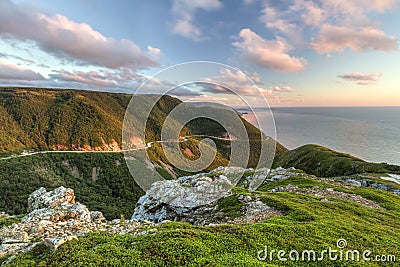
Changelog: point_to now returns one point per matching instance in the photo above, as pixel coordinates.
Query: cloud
(361, 78)
(154, 51)
(276, 20)
(11, 73)
(313, 15)
(65, 38)
(249, 2)
(336, 38)
(185, 10)
(283, 89)
(123, 78)
(268, 54)
(331, 25)
(230, 81)
(23, 60)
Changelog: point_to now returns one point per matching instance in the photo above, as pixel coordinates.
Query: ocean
(370, 133)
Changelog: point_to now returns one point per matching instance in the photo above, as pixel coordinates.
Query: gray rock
(96, 216)
(63, 212)
(43, 199)
(173, 199)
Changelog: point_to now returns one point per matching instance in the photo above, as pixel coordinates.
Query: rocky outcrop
(55, 206)
(43, 199)
(195, 198)
(55, 218)
(365, 180)
(176, 199)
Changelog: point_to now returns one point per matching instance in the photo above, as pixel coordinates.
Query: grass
(307, 224)
(11, 220)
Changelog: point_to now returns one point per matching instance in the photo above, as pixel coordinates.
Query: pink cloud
(334, 38)
(63, 37)
(268, 54)
(10, 72)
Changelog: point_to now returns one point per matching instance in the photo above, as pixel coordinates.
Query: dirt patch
(189, 152)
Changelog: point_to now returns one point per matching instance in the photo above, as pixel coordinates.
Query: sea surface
(370, 133)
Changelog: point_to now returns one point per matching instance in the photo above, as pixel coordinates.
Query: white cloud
(65, 38)
(186, 29)
(273, 19)
(154, 51)
(185, 11)
(268, 54)
(336, 38)
(361, 78)
(11, 73)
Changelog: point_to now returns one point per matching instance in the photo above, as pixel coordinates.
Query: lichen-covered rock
(195, 198)
(63, 212)
(173, 199)
(58, 220)
(43, 199)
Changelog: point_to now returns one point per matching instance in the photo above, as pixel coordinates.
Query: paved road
(148, 145)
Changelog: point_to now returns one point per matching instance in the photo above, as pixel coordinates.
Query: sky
(292, 53)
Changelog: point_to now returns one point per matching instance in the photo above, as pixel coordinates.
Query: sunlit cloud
(361, 78)
(336, 38)
(268, 54)
(68, 39)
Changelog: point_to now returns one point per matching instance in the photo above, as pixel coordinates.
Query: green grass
(308, 224)
(10, 220)
(324, 162)
(230, 206)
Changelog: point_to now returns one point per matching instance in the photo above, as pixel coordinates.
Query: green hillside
(56, 119)
(321, 161)
(98, 180)
(51, 119)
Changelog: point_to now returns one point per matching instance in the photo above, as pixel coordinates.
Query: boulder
(43, 199)
(56, 206)
(173, 199)
(60, 213)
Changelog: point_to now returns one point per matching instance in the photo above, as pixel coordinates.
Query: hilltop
(322, 161)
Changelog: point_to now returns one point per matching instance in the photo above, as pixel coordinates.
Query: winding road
(148, 145)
